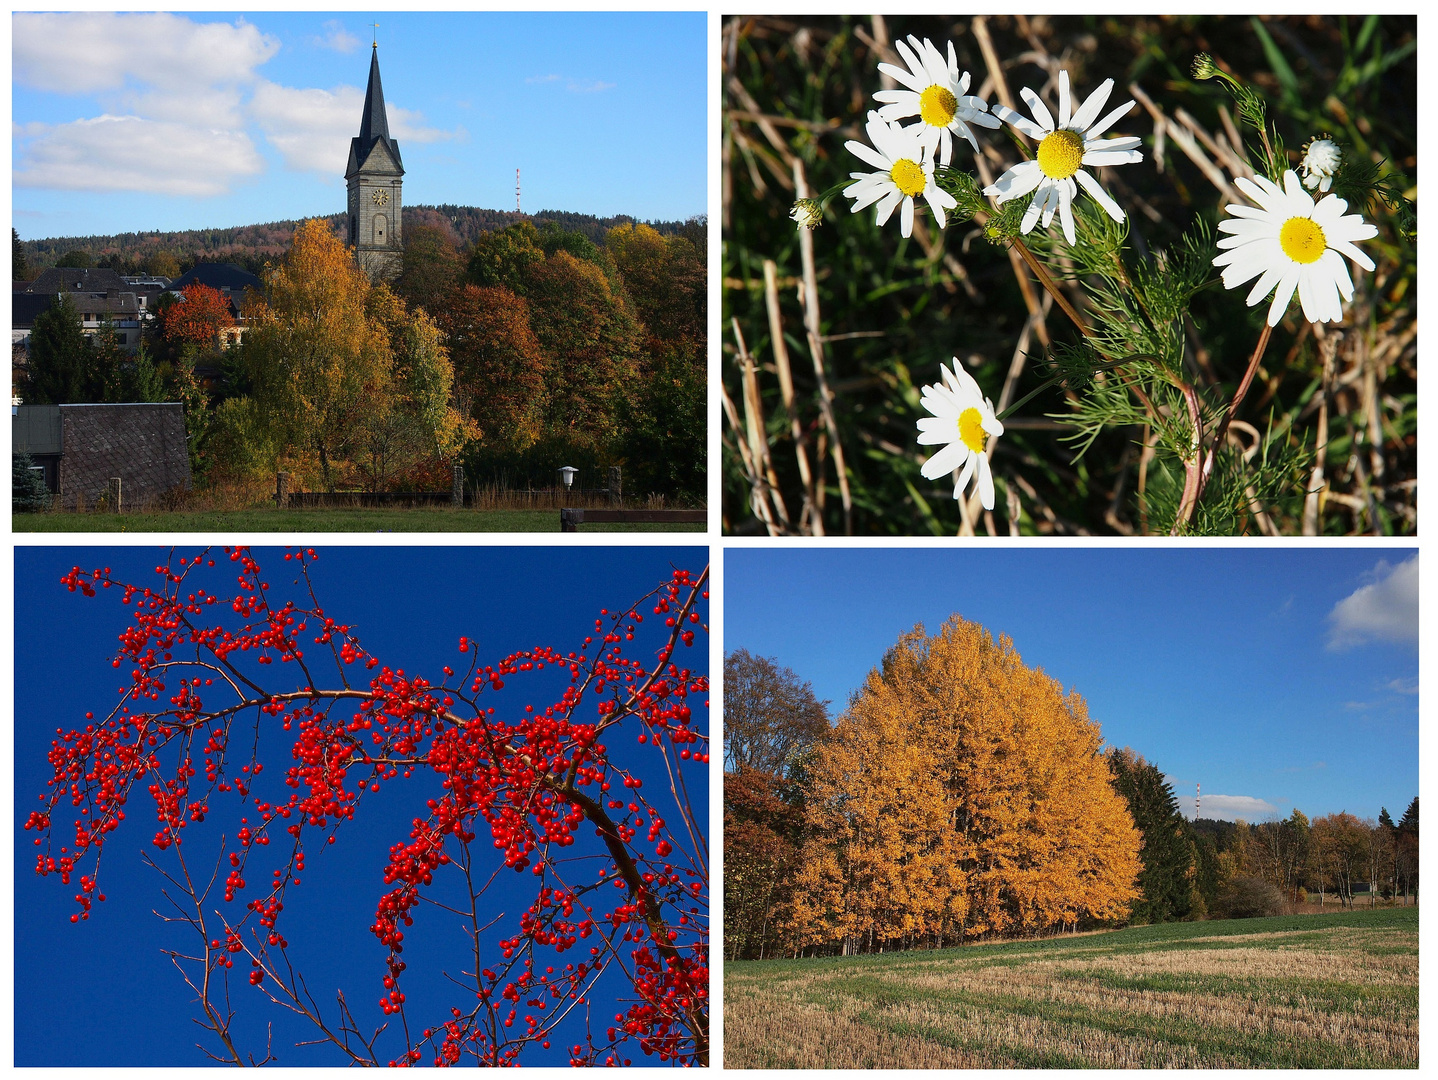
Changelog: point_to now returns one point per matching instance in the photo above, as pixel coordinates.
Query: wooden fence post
(282, 491)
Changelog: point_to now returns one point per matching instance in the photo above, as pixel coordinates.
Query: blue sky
(154, 121)
(409, 606)
(1275, 678)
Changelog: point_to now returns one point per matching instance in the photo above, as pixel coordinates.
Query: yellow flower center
(1061, 154)
(971, 430)
(1302, 240)
(908, 177)
(937, 106)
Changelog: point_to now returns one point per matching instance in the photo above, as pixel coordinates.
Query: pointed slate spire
(375, 122)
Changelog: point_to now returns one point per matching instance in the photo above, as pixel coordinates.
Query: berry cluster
(536, 781)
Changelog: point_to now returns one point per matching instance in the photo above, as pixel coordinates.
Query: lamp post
(567, 473)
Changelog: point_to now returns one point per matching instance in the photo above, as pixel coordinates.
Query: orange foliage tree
(498, 365)
(198, 319)
(961, 794)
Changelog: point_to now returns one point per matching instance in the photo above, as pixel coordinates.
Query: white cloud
(130, 153)
(181, 105)
(336, 37)
(544, 78)
(87, 52)
(1386, 609)
(1407, 685)
(312, 128)
(1229, 807)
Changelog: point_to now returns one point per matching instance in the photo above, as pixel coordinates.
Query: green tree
(506, 257)
(663, 426)
(62, 364)
(28, 492)
(1167, 881)
(19, 266)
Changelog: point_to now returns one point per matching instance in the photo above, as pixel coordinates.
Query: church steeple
(374, 122)
(374, 175)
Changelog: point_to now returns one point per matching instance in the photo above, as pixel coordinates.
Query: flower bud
(807, 214)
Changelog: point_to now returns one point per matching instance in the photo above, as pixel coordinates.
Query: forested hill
(251, 246)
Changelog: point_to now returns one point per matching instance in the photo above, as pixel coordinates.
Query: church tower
(375, 176)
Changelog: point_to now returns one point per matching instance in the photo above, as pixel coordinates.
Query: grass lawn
(355, 520)
(1308, 991)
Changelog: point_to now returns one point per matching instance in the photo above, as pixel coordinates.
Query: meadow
(335, 519)
(1329, 991)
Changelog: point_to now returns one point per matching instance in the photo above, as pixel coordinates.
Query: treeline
(253, 247)
(962, 795)
(528, 350)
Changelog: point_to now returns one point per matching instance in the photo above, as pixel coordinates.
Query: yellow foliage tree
(960, 794)
(315, 357)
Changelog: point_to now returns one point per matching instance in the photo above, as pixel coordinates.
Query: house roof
(218, 276)
(73, 279)
(25, 308)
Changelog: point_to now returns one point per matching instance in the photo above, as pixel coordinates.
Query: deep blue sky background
(1215, 664)
(100, 993)
(603, 112)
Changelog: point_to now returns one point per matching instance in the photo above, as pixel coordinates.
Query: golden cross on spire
(376, 34)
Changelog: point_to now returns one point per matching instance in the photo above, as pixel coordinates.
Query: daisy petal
(1039, 109)
(1089, 110)
(1100, 196)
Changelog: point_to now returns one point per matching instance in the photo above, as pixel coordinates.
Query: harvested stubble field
(1331, 991)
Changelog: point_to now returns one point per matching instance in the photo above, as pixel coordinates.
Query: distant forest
(252, 246)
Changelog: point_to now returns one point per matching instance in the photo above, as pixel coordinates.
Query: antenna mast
(1197, 799)
(516, 192)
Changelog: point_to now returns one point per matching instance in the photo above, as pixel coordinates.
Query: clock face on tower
(380, 197)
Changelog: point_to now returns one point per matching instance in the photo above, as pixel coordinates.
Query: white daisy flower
(1065, 147)
(1321, 159)
(905, 171)
(963, 419)
(1289, 243)
(937, 94)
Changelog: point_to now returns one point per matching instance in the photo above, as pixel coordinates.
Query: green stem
(1107, 365)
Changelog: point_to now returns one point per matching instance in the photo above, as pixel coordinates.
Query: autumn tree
(499, 368)
(196, 319)
(590, 342)
(666, 278)
(429, 268)
(770, 715)
(1167, 881)
(960, 794)
(1340, 853)
(408, 417)
(313, 355)
(763, 829)
(771, 720)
